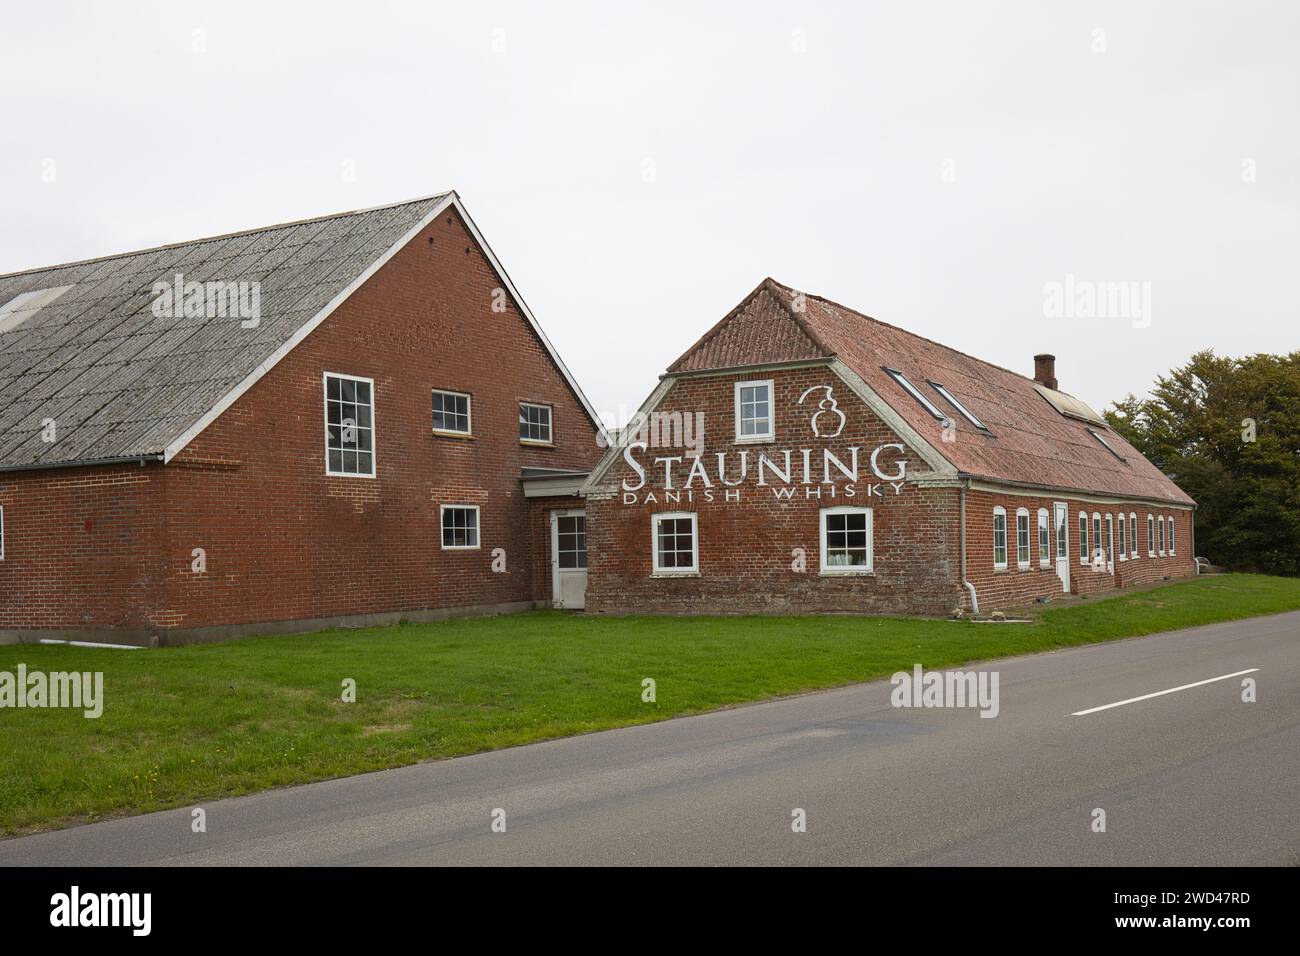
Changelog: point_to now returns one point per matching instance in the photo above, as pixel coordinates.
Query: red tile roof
(1028, 443)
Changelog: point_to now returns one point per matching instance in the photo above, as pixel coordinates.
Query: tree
(1228, 431)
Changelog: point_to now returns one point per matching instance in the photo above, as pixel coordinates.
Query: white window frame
(1151, 535)
(550, 424)
(469, 413)
(374, 425)
(1160, 541)
(1023, 563)
(850, 569)
(1096, 535)
(906, 385)
(1169, 529)
(1085, 553)
(1108, 548)
(1046, 539)
(658, 570)
(1133, 534)
(478, 528)
(770, 434)
(1000, 512)
(2, 532)
(1123, 537)
(966, 413)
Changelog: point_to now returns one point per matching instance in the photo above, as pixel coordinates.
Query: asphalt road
(1196, 776)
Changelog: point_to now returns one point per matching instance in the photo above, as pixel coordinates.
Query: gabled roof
(1028, 442)
(121, 383)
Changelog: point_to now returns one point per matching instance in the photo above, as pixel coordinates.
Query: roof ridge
(909, 332)
(771, 286)
(227, 235)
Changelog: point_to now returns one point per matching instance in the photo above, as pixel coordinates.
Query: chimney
(1045, 370)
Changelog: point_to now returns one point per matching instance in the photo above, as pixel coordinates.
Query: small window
(25, 305)
(675, 543)
(451, 413)
(1170, 525)
(1063, 535)
(1151, 536)
(846, 540)
(349, 426)
(459, 527)
(1110, 540)
(535, 423)
(1123, 543)
(999, 537)
(1097, 554)
(1083, 538)
(2, 533)
(1022, 537)
(1044, 538)
(754, 411)
(1133, 534)
(965, 412)
(571, 541)
(1105, 444)
(915, 392)
(1161, 539)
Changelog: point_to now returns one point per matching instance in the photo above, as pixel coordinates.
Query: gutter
(86, 463)
(974, 598)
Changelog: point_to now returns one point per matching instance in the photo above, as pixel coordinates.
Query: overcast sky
(640, 167)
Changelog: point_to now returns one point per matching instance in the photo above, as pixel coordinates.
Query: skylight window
(1069, 406)
(26, 304)
(915, 392)
(952, 400)
(1105, 444)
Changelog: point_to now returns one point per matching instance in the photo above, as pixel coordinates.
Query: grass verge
(198, 723)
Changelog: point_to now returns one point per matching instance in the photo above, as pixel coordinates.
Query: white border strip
(1161, 693)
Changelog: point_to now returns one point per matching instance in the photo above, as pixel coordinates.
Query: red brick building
(371, 427)
(804, 457)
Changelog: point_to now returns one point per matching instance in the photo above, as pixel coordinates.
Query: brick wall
(282, 540)
(747, 548)
(1017, 586)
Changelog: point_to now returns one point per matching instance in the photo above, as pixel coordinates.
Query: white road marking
(1161, 693)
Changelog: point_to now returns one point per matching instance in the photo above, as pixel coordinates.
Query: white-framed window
(459, 527)
(1063, 536)
(349, 425)
(915, 392)
(1097, 547)
(966, 413)
(846, 540)
(1151, 536)
(675, 543)
(451, 412)
(1109, 543)
(1083, 538)
(571, 541)
(2, 532)
(999, 537)
(754, 420)
(1123, 540)
(1133, 534)
(1169, 523)
(1161, 539)
(1044, 538)
(1022, 537)
(535, 423)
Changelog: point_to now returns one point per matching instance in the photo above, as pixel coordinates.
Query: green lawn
(194, 723)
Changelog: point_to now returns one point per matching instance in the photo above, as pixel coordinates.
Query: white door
(569, 559)
(1062, 524)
